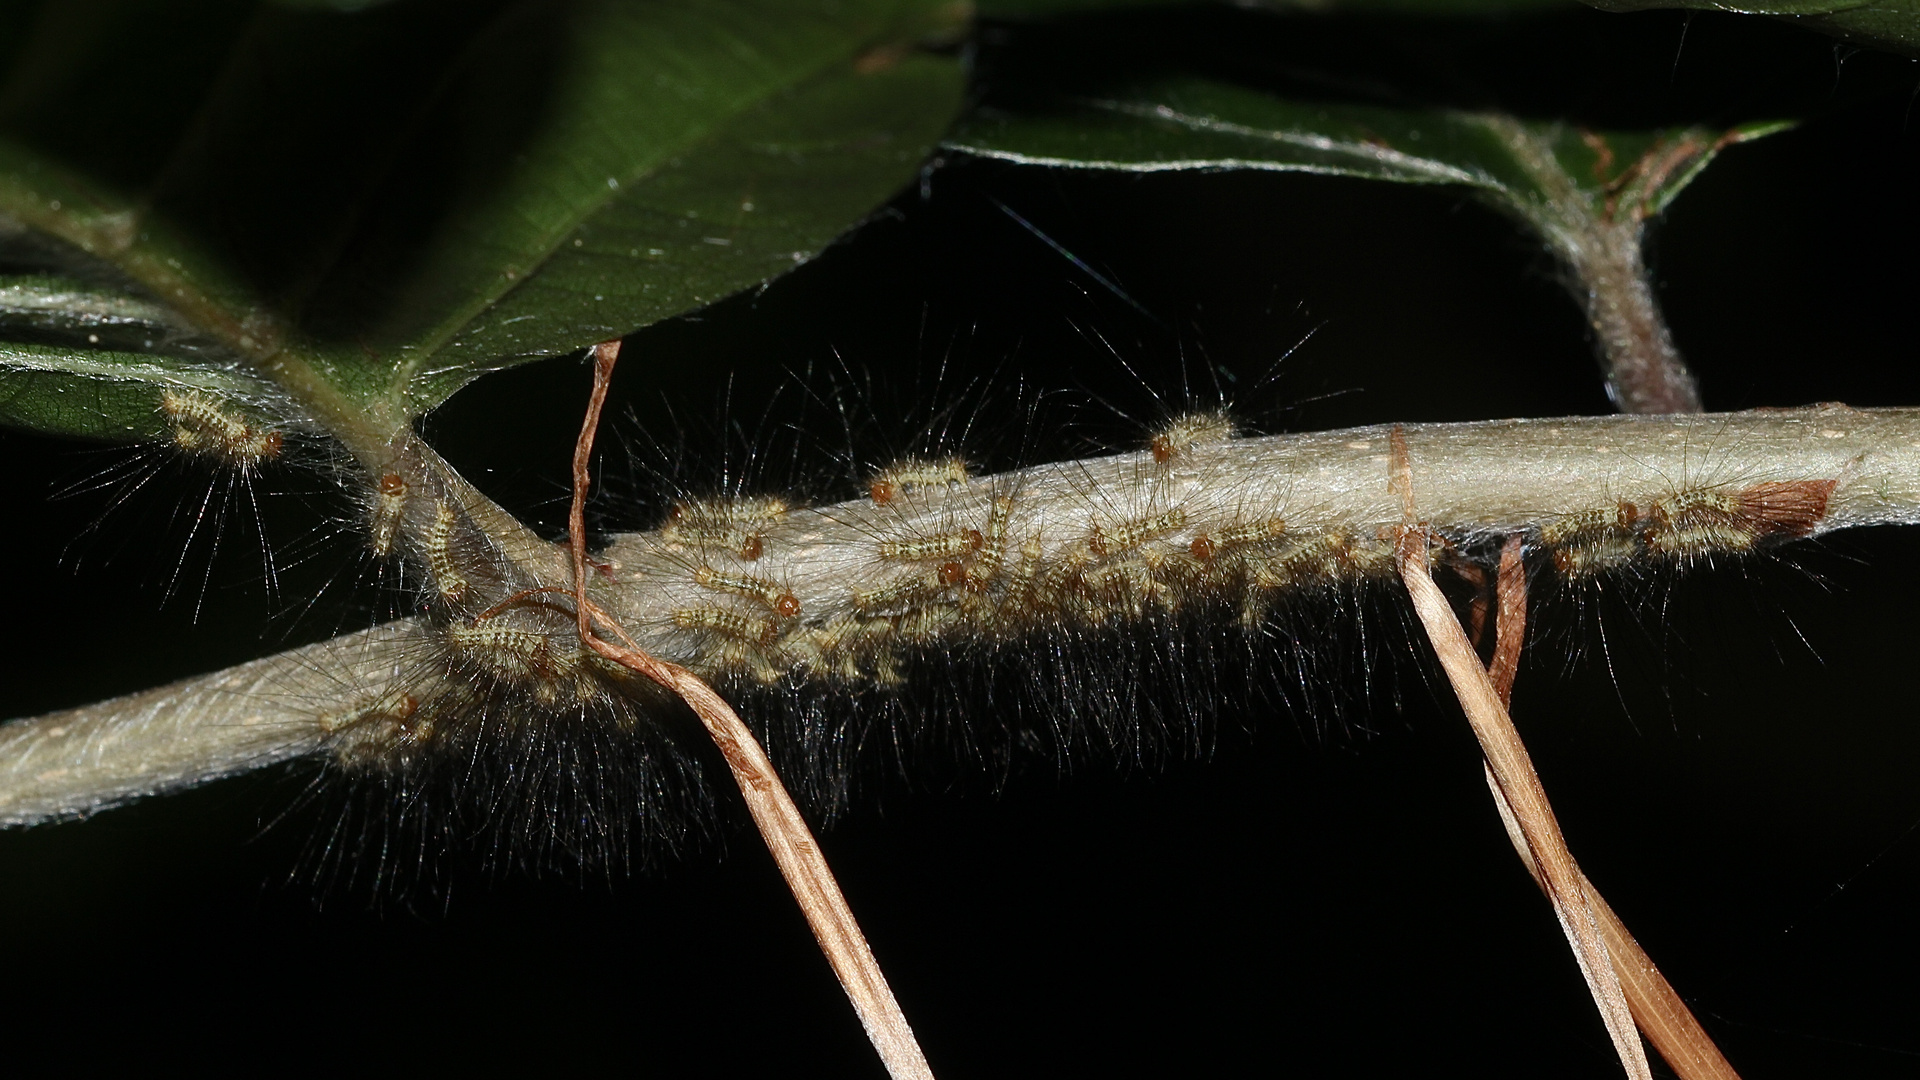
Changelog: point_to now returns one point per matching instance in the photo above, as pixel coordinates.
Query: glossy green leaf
(1047, 9)
(369, 209)
(106, 394)
(1198, 124)
(1893, 25)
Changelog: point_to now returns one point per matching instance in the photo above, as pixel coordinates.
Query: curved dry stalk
(1662, 1017)
(779, 820)
(1512, 768)
(1656, 1006)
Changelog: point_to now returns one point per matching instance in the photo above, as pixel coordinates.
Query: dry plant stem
(1513, 768)
(781, 825)
(1662, 1017)
(605, 355)
(1510, 618)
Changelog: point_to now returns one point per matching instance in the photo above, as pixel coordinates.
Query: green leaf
(1198, 124)
(1047, 9)
(370, 209)
(104, 394)
(1893, 25)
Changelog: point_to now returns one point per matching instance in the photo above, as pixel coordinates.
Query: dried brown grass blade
(773, 810)
(1663, 1018)
(1512, 768)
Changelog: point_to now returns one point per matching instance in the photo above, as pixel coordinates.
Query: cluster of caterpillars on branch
(485, 675)
(995, 580)
(1687, 526)
(946, 558)
(985, 578)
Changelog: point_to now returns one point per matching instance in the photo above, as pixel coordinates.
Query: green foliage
(1198, 124)
(370, 209)
(1893, 25)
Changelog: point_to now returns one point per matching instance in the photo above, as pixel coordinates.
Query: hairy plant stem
(1600, 245)
(1483, 480)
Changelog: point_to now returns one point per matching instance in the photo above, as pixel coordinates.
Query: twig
(773, 810)
(1512, 768)
(1663, 1018)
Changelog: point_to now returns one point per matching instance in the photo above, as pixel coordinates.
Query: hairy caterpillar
(1184, 432)
(205, 426)
(916, 474)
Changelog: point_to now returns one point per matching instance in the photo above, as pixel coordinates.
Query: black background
(1733, 754)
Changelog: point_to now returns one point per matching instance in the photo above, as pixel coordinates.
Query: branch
(72, 763)
(1311, 510)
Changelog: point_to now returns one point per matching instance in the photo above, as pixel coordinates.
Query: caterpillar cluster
(1688, 526)
(1199, 539)
(786, 595)
(770, 591)
(207, 427)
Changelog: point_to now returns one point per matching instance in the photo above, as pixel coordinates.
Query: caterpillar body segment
(374, 732)
(1593, 541)
(1699, 523)
(727, 623)
(1108, 540)
(1246, 534)
(1205, 546)
(903, 592)
(951, 545)
(993, 546)
(514, 652)
(1692, 524)
(394, 707)
(736, 526)
(389, 505)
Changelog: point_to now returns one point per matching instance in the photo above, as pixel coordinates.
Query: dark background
(1733, 754)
